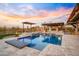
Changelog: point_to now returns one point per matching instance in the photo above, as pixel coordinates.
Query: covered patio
(74, 18)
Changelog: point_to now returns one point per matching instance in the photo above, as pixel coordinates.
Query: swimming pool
(40, 41)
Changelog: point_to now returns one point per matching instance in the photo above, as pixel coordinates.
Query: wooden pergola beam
(53, 24)
(28, 23)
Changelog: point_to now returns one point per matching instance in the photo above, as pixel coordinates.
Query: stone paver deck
(9, 50)
(69, 47)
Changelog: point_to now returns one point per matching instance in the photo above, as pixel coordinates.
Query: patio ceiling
(74, 17)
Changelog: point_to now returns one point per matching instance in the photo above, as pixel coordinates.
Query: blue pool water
(41, 41)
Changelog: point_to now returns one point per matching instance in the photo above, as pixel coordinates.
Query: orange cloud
(10, 17)
(41, 14)
(61, 11)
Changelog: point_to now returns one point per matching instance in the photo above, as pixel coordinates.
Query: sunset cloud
(37, 13)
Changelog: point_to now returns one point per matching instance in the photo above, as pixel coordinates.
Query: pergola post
(56, 28)
(31, 26)
(23, 27)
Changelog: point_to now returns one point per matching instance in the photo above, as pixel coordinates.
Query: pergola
(29, 23)
(54, 25)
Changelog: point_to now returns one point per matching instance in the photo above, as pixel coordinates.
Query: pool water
(41, 41)
(53, 40)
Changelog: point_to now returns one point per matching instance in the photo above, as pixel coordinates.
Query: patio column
(76, 29)
(50, 29)
(62, 27)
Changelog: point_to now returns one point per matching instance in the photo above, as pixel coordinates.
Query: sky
(14, 13)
